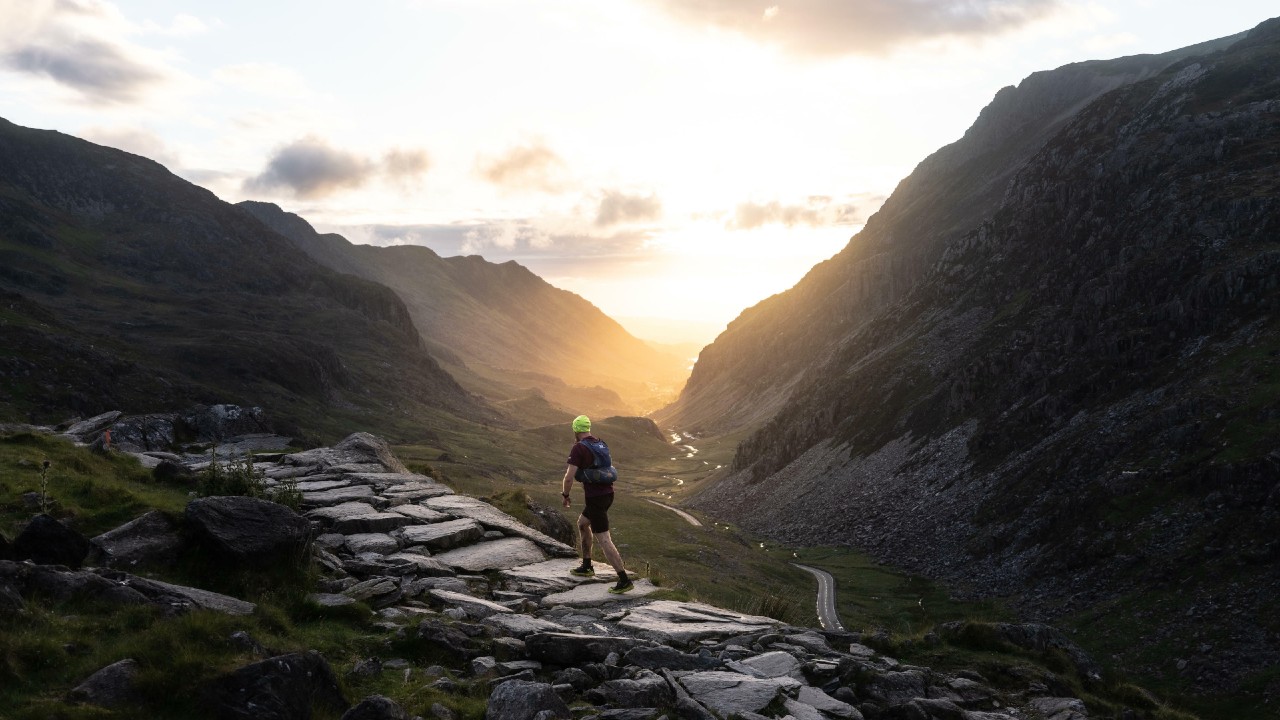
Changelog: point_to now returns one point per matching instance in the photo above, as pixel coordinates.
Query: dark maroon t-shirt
(581, 457)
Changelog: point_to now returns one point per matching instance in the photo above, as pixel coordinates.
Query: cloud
(617, 207)
(312, 168)
(815, 211)
(80, 44)
(267, 79)
(525, 167)
(861, 27)
(405, 163)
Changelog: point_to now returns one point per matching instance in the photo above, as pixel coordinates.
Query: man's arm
(567, 484)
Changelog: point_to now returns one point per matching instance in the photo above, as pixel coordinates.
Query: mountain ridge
(499, 317)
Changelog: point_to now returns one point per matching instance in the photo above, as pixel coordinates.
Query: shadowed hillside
(1064, 390)
(123, 286)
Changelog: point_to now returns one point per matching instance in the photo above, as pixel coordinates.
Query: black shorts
(597, 511)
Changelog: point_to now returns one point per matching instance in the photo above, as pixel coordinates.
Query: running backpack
(602, 471)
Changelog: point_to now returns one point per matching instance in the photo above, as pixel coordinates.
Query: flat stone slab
(819, 700)
(337, 496)
(669, 621)
(419, 513)
(331, 600)
(375, 523)
(386, 481)
(310, 486)
(493, 518)
(552, 576)
(492, 555)
(423, 564)
(520, 625)
(341, 511)
(444, 535)
(203, 599)
(772, 664)
(592, 594)
(730, 693)
(475, 607)
(380, 543)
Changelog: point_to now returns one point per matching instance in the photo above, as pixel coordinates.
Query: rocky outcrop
(112, 686)
(45, 540)
(112, 587)
(247, 529)
(286, 687)
(151, 539)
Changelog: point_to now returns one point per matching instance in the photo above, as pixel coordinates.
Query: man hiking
(594, 521)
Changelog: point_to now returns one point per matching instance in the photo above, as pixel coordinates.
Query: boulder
(523, 700)
(248, 529)
(87, 431)
(771, 665)
(376, 707)
(110, 687)
(46, 541)
(669, 621)
(895, 687)
(141, 433)
(566, 649)
(214, 423)
(493, 555)
(445, 535)
(151, 539)
(286, 687)
(179, 598)
(829, 706)
(422, 564)
(356, 448)
(730, 693)
(10, 600)
(647, 689)
(662, 656)
(445, 637)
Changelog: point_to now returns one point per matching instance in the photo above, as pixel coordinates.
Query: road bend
(827, 615)
(691, 519)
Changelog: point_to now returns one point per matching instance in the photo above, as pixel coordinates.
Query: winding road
(692, 520)
(827, 614)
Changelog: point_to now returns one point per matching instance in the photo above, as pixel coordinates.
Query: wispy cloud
(815, 211)
(618, 207)
(863, 27)
(524, 167)
(82, 45)
(312, 168)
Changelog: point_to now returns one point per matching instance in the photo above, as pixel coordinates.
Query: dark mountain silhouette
(501, 329)
(124, 286)
(1049, 368)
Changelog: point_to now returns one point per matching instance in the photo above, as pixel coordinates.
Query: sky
(672, 161)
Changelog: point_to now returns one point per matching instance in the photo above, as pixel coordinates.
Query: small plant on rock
(240, 477)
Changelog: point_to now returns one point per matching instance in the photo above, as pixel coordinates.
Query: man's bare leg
(610, 551)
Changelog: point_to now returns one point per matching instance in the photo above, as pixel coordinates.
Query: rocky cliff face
(742, 378)
(1075, 401)
(500, 319)
(125, 286)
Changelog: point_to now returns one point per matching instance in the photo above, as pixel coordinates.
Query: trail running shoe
(583, 570)
(622, 586)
